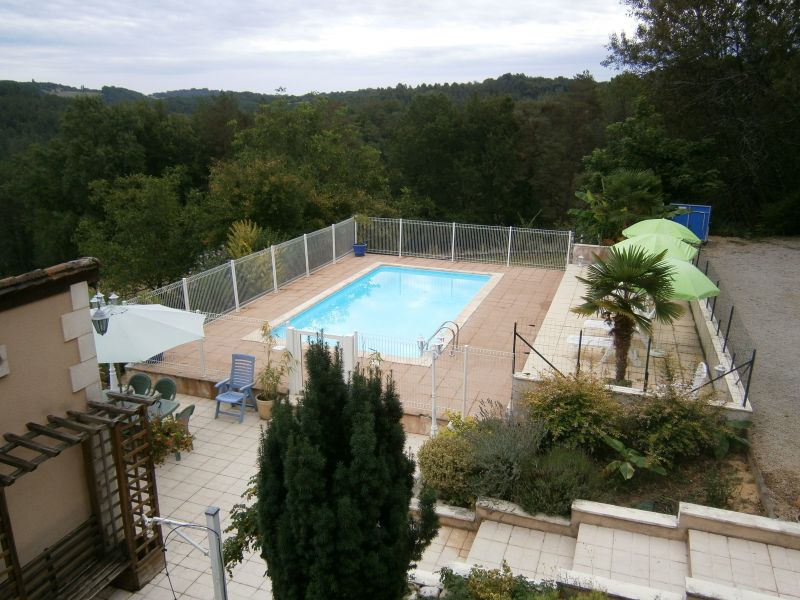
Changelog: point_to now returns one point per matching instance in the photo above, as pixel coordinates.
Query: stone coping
(492, 509)
(735, 524)
(451, 516)
(626, 519)
(701, 589)
(612, 587)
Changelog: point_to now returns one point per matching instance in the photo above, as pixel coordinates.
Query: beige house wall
(52, 368)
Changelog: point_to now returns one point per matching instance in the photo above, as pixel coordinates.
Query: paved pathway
(763, 278)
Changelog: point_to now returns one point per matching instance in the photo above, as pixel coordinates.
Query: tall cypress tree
(334, 489)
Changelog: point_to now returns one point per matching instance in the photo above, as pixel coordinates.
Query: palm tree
(621, 288)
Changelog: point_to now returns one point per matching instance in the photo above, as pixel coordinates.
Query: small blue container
(359, 249)
(697, 219)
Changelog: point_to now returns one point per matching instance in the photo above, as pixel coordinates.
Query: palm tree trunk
(623, 334)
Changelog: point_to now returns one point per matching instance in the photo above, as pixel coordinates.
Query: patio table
(157, 407)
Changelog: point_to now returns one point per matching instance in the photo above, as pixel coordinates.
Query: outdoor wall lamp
(100, 320)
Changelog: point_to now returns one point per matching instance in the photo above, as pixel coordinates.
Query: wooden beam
(112, 408)
(55, 434)
(30, 444)
(91, 418)
(19, 463)
(74, 425)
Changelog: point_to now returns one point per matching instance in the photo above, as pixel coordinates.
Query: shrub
(577, 411)
(502, 446)
(557, 479)
(718, 488)
(494, 584)
(502, 584)
(670, 427)
(447, 464)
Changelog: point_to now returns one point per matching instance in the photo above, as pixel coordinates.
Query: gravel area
(763, 278)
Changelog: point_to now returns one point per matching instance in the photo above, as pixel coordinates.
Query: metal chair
(139, 384)
(238, 388)
(166, 387)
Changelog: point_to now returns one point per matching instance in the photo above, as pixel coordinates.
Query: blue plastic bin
(698, 219)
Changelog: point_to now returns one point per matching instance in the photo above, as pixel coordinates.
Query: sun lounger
(607, 343)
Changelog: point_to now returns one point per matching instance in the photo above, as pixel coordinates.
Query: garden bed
(692, 483)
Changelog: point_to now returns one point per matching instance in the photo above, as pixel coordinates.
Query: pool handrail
(445, 325)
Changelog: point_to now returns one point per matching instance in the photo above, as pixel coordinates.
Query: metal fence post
(235, 286)
(215, 553)
(274, 270)
(569, 249)
(434, 424)
(749, 377)
(185, 294)
(400, 241)
(453, 244)
(728, 329)
(578, 360)
(333, 242)
(305, 248)
(508, 255)
(647, 364)
(464, 398)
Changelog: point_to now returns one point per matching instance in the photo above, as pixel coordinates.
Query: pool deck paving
(521, 295)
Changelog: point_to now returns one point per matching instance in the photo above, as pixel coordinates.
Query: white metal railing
(229, 286)
(476, 243)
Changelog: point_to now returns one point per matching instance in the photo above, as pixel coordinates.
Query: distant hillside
(30, 111)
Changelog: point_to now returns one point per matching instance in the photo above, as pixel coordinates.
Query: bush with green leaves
(503, 447)
(576, 410)
(447, 464)
(502, 584)
(557, 478)
(670, 427)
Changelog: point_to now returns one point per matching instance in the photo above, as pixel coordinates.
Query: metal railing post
(728, 329)
(400, 241)
(453, 244)
(215, 553)
(464, 398)
(514, 351)
(235, 286)
(185, 294)
(714, 306)
(333, 242)
(569, 249)
(305, 249)
(434, 424)
(647, 364)
(508, 254)
(274, 270)
(749, 377)
(580, 344)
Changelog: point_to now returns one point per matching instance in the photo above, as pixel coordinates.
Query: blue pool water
(396, 302)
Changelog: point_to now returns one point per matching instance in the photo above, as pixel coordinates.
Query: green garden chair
(183, 418)
(166, 387)
(139, 384)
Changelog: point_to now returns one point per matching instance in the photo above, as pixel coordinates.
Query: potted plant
(167, 436)
(270, 377)
(360, 246)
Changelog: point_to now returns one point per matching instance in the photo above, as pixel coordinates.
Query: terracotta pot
(264, 408)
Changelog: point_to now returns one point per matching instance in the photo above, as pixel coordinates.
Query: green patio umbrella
(658, 242)
(689, 282)
(663, 227)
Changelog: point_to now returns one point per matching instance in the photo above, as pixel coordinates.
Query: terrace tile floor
(216, 473)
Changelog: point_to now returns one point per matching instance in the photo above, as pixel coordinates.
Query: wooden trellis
(114, 544)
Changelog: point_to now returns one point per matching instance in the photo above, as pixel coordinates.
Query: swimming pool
(393, 302)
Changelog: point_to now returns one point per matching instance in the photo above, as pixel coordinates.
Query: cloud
(314, 45)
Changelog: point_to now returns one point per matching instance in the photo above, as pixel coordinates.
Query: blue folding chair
(237, 391)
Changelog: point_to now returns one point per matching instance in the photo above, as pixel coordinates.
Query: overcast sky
(316, 45)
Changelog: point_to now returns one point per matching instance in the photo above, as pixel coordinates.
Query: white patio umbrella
(137, 332)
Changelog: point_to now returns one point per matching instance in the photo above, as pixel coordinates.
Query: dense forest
(705, 110)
